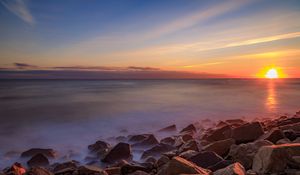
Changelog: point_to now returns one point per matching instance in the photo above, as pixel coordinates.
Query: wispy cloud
(24, 66)
(20, 9)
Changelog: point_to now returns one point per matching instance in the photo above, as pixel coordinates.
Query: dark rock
(206, 159)
(190, 145)
(219, 134)
(162, 160)
(119, 152)
(273, 136)
(100, 147)
(221, 147)
(50, 153)
(186, 137)
(139, 173)
(247, 133)
(39, 171)
(233, 169)
(90, 170)
(220, 165)
(168, 140)
(113, 170)
(138, 138)
(295, 127)
(38, 160)
(70, 166)
(15, 169)
(291, 134)
(170, 128)
(150, 159)
(188, 129)
(129, 168)
(157, 150)
(148, 142)
(188, 154)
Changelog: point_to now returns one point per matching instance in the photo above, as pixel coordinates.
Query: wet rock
(273, 136)
(171, 128)
(276, 158)
(118, 152)
(206, 158)
(233, 169)
(247, 133)
(168, 140)
(129, 168)
(283, 141)
(179, 165)
(87, 170)
(15, 169)
(291, 134)
(288, 121)
(138, 138)
(162, 160)
(186, 137)
(38, 160)
(220, 165)
(113, 170)
(39, 171)
(189, 129)
(295, 127)
(150, 159)
(190, 145)
(65, 167)
(99, 147)
(157, 150)
(188, 154)
(147, 142)
(139, 173)
(219, 134)
(179, 142)
(221, 147)
(244, 153)
(292, 172)
(50, 153)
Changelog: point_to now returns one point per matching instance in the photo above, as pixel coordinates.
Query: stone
(189, 129)
(130, 168)
(291, 134)
(66, 166)
(295, 127)
(118, 152)
(220, 165)
(147, 142)
(221, 147)
(50, 153)
(244, 153)
(139, 173)
(188, 154)
(206, 158)
(113, 170)
(138, 138)
(247, 132)
(15, 169)
(150, 159)
(233, 169)
(186, 137)
(39, 171)
(219, 134)
(276, 158)
(162, 160)
(273, 136)
(190, 145)
(283, 141)
(38, 160)
(99, 147)
(87, 169)
(157, 150)
(171, 128)
(168, 140)
(178, 165)
(292, 172)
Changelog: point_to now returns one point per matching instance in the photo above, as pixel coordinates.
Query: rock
(129, 168)
(186, 137)
(162, 160)
(119, 152)
(288, 121)
(138, 138)
(251, 172)
(179, 142)
(150, 159)
(113, 170)
(283, 141)
(15, 169)
(139, 173)
(273, 136)
(233, 169)
(168, 140)
(189, 129)
(147, 142)
(292, 172)
(66, 166)
(39, 171)
(276, 158)
(206, 158)
(295, 127)
(157, 150)
(244, 153)
(221, 147)
(242, 134)
(188, 154)
(179, 165)
(99, 147)
(89, 170)
(190, 145)
(219, 134)
(220, 165)
(291, 134)
(38, 160)
(50, 153)
(171, 128)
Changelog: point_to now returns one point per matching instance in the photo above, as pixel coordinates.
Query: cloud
(106, 68)
(20, 9)
(24, 66)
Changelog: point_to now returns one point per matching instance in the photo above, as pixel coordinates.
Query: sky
(149, 39)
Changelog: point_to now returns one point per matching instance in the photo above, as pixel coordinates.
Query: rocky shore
(230, 147)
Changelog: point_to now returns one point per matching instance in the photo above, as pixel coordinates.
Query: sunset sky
(175, 38)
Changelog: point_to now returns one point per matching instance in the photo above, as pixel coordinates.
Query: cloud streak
(20, 9)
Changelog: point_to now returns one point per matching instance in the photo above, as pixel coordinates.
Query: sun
(272, 73)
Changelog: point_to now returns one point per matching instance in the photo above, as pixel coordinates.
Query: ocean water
(71, 114)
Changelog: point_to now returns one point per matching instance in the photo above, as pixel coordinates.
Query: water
(71, 114)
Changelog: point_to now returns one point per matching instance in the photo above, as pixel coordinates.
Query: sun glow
(272, 73)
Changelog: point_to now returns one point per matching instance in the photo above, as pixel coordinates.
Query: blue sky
(177, 35)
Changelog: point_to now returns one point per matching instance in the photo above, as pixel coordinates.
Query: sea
(68, 115)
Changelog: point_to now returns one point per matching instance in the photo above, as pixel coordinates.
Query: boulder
(66, 166)
(178, 165)
(273, 136)
(39, 171)
(138, 138)
(186, 137)
(233, 169)
(206, 158)
(295, 127)
(220, 165)
(190, 145)
(15, 169)
(283, 141)
(171, 128)
(130, 168)
(157, 150)
(276, 158)
(168, 140)
(147, 142)
(244, 153)
(247, 132)
(189, 129)
(162, 161)
(188, 154)
(113, 170)
(38, 160)
(118, 152)
(86, 169)
(99, 147)
(221, 147)
(291, 134)
(50, 153)
(221, 133)
(139, 173)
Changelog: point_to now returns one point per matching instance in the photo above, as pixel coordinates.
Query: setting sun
(272, 73)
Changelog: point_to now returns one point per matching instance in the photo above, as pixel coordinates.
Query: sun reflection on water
(271, 100)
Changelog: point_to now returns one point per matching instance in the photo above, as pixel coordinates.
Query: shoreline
(229, 146)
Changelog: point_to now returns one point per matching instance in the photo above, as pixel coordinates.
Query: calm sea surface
(70, 114)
